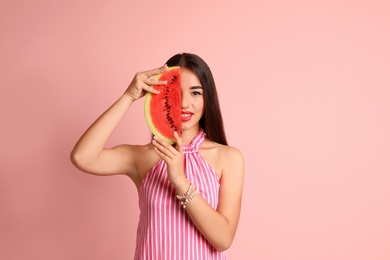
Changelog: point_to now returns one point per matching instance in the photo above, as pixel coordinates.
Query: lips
(186, 116)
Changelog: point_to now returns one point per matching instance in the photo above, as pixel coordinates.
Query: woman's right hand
(143, 82)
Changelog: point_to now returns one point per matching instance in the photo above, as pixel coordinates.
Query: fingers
(163, 149)
(179, 142)
(144, 82)
(154, 82)
(151, 89)
(149, 81)
(151, 73)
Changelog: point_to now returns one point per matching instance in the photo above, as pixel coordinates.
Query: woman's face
(192, 101)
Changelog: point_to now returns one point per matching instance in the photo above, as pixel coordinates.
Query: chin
(185, 127)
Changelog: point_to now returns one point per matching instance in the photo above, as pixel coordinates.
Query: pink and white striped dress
(165, 231)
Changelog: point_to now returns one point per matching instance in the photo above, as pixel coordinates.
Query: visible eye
(195, 93)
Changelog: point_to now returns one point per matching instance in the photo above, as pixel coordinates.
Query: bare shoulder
(143, 155)
(134, 149)
(233, 160)
(224, 152)
(222, 157)
(140, 159)
(231, 152)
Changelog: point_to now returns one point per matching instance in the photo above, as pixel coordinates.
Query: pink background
(305, 92)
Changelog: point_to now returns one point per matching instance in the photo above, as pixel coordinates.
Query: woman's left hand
(173, 156)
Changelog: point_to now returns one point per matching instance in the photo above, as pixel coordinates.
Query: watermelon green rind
(149, 120)
(148, 112)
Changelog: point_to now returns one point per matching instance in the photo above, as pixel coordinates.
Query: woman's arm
(217, 226)
(89, 154)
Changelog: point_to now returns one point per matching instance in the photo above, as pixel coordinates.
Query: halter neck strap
(195, 143)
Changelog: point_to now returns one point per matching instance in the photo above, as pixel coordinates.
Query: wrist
(127, 96)
(187, 197)
(181, 186)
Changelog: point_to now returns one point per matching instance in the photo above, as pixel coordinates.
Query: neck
(188, 135)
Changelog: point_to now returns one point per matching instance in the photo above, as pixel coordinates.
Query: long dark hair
(211, 121)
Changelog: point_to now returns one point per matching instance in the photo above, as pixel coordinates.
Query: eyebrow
(196, 87)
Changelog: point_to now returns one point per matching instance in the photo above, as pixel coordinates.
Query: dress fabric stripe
(165, 230)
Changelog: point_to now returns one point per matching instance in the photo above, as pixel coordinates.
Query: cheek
(200, 102)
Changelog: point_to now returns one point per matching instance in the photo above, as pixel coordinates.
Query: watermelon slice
(163, 110)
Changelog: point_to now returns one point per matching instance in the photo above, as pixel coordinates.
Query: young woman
(189, 193)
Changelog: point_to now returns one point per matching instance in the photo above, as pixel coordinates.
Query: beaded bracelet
(188, 200)
(185, 195)
(188, 196)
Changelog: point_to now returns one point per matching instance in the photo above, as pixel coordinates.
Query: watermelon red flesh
(163, 110)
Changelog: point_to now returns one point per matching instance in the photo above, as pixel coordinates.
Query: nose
(184, 101)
